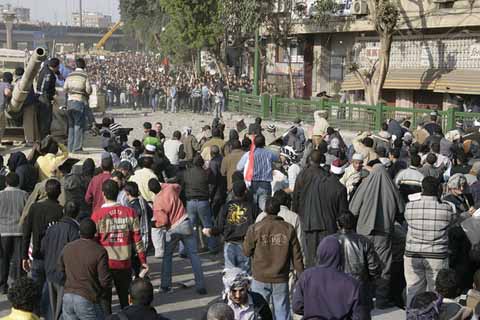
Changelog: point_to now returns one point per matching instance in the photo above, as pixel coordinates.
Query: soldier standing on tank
(46, 91)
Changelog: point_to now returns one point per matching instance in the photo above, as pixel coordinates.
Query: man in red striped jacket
(118, 231)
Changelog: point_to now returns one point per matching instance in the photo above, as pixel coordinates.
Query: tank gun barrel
(21, 90)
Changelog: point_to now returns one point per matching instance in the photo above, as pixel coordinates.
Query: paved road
(184, 303)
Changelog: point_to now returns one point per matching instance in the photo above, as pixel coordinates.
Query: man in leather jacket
(358, 256)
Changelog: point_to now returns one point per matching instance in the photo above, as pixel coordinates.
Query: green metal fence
(342, 115)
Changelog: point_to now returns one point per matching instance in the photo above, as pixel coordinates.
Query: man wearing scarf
(245, 303)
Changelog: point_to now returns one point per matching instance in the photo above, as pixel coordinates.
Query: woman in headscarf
(377, 203)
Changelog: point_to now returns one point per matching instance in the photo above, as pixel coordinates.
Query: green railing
(340, 115)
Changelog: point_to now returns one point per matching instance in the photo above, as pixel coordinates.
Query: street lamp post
(256, 66)
(9, 18)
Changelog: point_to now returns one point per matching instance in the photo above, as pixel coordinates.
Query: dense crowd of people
(151, 85)
(308, 224)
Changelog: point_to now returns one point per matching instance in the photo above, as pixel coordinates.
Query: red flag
(249, 170)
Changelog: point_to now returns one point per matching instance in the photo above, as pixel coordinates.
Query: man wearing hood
(377, 203)
(324, 291)
(75, 186)
(26, 172)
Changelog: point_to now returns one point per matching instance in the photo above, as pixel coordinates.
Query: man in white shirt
(173, 149)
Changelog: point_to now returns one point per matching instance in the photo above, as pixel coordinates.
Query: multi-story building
(92, 20)
(434, 60)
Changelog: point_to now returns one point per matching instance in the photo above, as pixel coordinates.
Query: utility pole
(81, 14)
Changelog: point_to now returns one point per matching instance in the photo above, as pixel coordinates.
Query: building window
(296, 53)
(446, 5)
(337, 68)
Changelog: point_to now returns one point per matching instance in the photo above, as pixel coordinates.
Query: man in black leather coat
(359, 258)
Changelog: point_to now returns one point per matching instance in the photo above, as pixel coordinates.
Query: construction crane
(107, 35)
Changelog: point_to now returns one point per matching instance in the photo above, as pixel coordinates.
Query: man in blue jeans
(77, 91)
(272, 245)
(263, 158)
(169, 213)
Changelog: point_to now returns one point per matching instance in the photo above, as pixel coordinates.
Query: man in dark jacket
(233, 222)
(319, 198)
(75, 185)
(245, 303)
(196, 184)
(26, 172)
(218, 189)
(140, 308)
(40, 216)
(324, 291)
(56, 237)
(358, 256)
(46, 90)
(273, 245)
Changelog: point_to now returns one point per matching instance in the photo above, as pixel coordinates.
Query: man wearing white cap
(355, 167)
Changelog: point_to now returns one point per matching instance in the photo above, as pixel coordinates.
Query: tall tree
(384, 15)
(279, 24)
(145, 19)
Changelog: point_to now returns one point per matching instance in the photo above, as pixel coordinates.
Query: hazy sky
(60, 10)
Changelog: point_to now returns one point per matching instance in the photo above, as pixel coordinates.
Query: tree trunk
(221, 67)
(290, 74)
(373, 86)
(380, 74)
